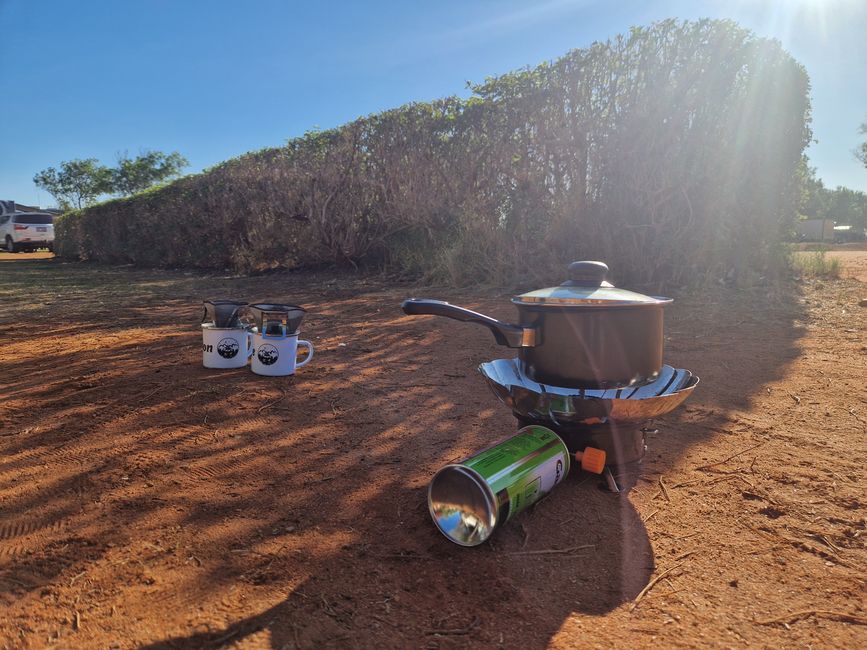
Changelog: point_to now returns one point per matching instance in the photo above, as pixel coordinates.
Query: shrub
(671, 153)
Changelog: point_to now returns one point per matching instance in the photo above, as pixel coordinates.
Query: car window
(34, 219)
(4, 219)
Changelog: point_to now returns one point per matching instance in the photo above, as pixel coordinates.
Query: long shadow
(315, 486)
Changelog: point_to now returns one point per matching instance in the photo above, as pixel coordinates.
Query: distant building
(8, 207)
(845, 234)
(815, 230)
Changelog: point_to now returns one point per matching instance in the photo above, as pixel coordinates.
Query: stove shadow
(581, 550)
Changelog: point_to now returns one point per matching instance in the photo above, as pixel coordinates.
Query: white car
(20, 231)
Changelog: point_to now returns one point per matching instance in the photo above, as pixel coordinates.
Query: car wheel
(10, 245)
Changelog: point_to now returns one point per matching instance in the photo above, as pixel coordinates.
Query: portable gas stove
(610, 419)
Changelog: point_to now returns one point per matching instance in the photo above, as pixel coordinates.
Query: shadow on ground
(135, 481)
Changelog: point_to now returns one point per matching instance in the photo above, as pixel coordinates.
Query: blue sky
(215, 78)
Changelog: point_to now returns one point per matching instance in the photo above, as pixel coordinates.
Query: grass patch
(817, 265)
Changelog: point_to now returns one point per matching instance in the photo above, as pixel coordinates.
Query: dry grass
(817, 264)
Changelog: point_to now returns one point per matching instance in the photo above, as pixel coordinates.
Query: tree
(814, 196)
(861, 151)
(78, 182)
(847, 207)
(148, 168)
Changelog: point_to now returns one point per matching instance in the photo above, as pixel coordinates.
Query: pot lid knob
(587, 274)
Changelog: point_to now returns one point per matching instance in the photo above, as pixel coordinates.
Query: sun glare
(783, 18)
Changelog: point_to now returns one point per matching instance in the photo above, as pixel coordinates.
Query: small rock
(863, 302)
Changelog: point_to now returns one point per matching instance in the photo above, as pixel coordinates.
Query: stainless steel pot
(584, 333)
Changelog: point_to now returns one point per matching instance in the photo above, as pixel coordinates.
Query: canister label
(522, 469)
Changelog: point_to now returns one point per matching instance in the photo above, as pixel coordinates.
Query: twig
(16, 582)
(270, 404)
(651, 584)
(720, 479)
(648, 517)
(403, 556)
(381, 620)
(456, 631)
(825, 540)
(150, 394)
(688, 536)
(746, 480)
(76, 625)
(725, 460)
(797, 616)
(232, 633)
(76, 577)
(552, 551)
(664, 490)
(795, 397)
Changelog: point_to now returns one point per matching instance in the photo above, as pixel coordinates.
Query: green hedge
(671, 153)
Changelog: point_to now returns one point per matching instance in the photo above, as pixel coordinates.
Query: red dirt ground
(146, 501)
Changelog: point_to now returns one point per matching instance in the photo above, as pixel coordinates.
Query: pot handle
(512, 336)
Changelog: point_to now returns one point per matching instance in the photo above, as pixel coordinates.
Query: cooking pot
(584, 333)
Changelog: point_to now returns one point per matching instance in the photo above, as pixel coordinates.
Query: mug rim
(256, 332)
(211, 327)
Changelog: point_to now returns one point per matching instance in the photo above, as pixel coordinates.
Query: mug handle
(309, 356)
(250, 348)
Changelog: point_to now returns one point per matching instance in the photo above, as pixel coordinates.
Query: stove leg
(610, 482)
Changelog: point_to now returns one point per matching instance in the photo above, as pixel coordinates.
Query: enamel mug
(226, 347)
(274, 355)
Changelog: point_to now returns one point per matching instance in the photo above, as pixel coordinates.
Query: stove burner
(608, 419)
(588, 407)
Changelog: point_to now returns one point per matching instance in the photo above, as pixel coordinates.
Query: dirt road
(147, 501)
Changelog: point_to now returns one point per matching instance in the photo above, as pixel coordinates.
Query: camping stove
(610, 419)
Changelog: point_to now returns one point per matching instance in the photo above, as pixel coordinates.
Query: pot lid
(586, 287)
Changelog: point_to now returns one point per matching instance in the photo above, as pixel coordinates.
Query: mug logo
(227, 348)
(267, 354)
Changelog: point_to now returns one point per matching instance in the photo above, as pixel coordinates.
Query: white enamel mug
(274, 356)
(226, 347)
